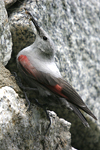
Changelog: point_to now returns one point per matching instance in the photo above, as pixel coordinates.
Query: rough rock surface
(20, 129)
(5, 35)
(74, 27)
(6, 79)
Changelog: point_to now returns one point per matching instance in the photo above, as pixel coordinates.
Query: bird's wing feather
(56, 85)
(80, 115)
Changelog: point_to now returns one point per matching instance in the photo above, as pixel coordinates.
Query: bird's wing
(56, 85)
(80, 115)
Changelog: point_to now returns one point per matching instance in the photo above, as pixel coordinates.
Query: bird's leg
(29, 104)
(44, 108)
(49, 121)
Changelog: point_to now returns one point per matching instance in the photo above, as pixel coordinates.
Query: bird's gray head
(43, 42)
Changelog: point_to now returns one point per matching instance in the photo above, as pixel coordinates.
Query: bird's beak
(33, 20)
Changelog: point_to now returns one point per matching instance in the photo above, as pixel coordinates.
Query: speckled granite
(22, 130)
(5, 35)
(74, 27)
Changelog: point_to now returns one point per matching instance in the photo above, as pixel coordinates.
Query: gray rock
(6, 79)
(74, 27)
(20, 129)
(73, 148)
(5, 35)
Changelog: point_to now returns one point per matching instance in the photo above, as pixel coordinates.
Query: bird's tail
(80, 115)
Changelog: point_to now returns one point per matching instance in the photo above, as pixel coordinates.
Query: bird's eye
(45, 38)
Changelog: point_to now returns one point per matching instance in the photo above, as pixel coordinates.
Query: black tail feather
(80, 115)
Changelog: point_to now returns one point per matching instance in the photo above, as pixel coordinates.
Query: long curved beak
(33, 20)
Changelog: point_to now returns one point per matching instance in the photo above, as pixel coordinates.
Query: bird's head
(43, 41)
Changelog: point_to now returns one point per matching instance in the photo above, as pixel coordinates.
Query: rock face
(6, 79)
(5, 35)
(74, 27)
(20, 129)
(76, 36)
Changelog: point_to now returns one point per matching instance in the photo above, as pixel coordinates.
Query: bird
(37, 65)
